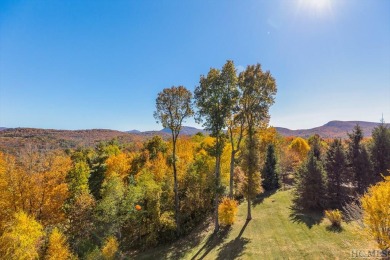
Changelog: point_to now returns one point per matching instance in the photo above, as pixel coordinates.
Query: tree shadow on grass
(212, 241)
(236, 247)
(334, 229)
(233, 249)
(260, 198)
(309, 218)
(177, 249)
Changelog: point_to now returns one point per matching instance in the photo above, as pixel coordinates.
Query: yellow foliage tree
(376, 212)
(119, 164)
(58, 248)
(184, 150)
(266, 137)
(49, 189)
(110, 248)
(225, 165)
(227, 210)
(14, 189)
(21, 238)
(5, 198)
(300, 147)
(159, 167)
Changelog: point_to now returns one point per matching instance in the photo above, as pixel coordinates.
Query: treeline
(338, 172)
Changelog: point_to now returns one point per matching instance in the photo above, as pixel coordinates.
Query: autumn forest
(120, 198)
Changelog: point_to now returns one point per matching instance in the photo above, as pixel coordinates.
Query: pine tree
(380, 149)
(310, 192)
(336, 167)
(98, 169)
(315, 144)
(366, 176)
(358, 161)
(269, 172)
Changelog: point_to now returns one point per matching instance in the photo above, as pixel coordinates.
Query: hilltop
(332, 129)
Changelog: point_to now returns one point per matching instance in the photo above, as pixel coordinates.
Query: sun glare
(316, 5)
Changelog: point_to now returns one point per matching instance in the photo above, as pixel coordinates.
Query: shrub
(110, 248)
(167, 230)
(376, 212)
(227, 210)
(334, 217)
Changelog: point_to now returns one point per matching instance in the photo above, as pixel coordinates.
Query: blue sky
(100, 64)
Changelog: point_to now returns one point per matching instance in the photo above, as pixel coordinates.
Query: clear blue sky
(100, 64)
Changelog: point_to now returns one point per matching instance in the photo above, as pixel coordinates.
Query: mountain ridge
(11, 138)
(332, 129)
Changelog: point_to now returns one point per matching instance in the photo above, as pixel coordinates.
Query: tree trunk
(175, 188)
(249, 216)
(231, 173)
(216, 201)
(250, 172)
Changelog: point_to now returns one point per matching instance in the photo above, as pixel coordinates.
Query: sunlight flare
(318, 6)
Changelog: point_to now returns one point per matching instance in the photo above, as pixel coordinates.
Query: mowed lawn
(275, 232)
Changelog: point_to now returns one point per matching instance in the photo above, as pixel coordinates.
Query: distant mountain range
(15, 138)
(185, 130)
(332, 129)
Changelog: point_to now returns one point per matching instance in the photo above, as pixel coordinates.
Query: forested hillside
(13, 139)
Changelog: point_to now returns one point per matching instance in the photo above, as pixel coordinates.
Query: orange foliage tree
(35, 183)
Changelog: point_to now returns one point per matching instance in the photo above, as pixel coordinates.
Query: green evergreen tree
(380, 150)
(98, 169)
(336, 167)
(310, 190)
(154, 146)
(269, 173)
(358, 161)
(77, 179)
(315, 145)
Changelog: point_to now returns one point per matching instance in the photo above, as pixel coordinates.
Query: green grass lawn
(275, 232)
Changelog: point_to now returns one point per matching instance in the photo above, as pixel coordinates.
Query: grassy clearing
(275, 232)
